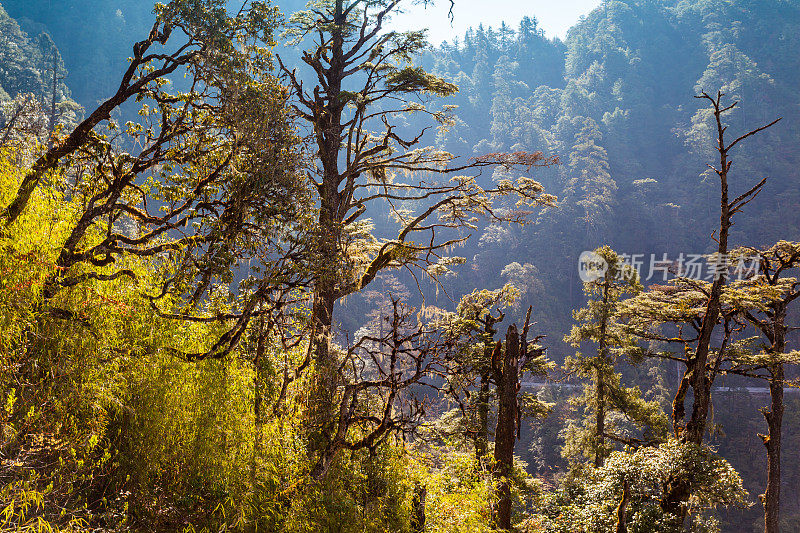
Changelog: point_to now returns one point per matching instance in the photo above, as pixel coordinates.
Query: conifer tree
(590, 192)
(605, 397)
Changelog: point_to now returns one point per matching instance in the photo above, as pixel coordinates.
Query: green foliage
(613, 413)
(91, 380)
(460, 496)
(21, 506)
(587, 502)
(416, 80)
(106, 425)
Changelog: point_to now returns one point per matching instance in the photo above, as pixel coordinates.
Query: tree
(209, 181)
(625, 494)
(364, 86)
(23, 120)
(695, 307)
(764, 301)
(479, 361)
(599, 323)
(474, 324)
(590, 191)
(57, 74)
(203, 36)
(508, 362)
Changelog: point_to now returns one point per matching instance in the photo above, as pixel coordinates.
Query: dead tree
(381, 375)
(660, 305)
(698, 371)
(508, 362)
(53, 115)
(504, 365)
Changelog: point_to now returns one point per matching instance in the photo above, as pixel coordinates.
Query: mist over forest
(278, 267)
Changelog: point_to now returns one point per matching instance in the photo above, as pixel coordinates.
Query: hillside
(615, 103)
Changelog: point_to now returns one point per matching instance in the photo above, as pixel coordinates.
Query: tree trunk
(482, 437)
(418, 509)
(599, 383)
(505, 368)
(772, 441)
(600, 417)
(701, 385)
(324, 462)
(321, 403)
(328, 133)
(325, 454)
(622, 524)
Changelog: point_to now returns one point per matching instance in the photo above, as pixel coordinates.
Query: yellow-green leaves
(416, 80)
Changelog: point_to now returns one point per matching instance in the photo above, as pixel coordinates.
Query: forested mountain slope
(615, 103)
(32, 88)
(25, 62)
(94, 36)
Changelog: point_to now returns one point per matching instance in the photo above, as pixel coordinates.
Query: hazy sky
(554, 16)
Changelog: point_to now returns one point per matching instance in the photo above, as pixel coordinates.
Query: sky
(555, 17)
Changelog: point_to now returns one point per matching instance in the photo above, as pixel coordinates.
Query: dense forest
(277, 267)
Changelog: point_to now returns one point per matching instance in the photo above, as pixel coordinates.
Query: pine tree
(605, 398)
(590, 193)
